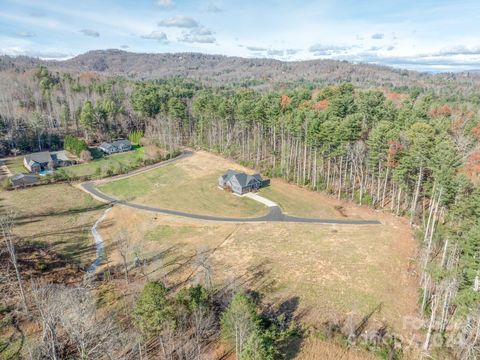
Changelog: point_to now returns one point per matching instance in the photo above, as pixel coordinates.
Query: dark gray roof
(39, 157)
(242, 178)
(59, 155)
(121, 142)
(22, 175)
(105, 145)
(23, 179)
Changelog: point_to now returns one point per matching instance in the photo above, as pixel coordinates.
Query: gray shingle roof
(243, 179)
(39, 157)
(121, 142)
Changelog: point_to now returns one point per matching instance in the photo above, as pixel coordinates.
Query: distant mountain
(219, 69)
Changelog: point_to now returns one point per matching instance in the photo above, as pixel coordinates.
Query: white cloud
(275, 52)
(166, 4)
(179, 21)
(292, 51)
(45, 55)
(25, 34)
(159, 36)
(320, 49)
(213, 8)
(378, 36)
(256, 48)
(458, 50)
(90, 32)
(198, 35)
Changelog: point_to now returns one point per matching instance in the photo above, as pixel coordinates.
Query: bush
(5, 183)
(74, 144)
(86, 155)
(42, 265)
(135, 136)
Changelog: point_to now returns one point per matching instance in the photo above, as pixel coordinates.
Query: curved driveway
(274, 214)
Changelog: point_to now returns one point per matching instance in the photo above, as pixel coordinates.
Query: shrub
(135, 136)
(5, 183)
(86, 155)
(42, 265)
(74, 144)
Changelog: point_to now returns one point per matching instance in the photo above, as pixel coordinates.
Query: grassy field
(189, 184)
(114, 161)
(330, 270)
(15, 164)
(300, 202)
(57, 217)
(102, 164)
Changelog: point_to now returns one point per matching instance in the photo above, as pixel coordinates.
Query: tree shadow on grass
(74, 211)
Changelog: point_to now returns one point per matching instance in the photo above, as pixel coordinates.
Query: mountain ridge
(222, 69)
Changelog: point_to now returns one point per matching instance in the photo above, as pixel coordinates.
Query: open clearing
(57, 217)
(331, 271)
(15, 164)
(190, 185)
(102, 164)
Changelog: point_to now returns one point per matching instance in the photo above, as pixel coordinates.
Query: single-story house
(116, 146)
(241, 183)
(39, 161)
(22, 180)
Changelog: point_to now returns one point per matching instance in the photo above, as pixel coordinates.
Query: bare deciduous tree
(71, 323)
(123, 246)
(7, 221)
(204, 267)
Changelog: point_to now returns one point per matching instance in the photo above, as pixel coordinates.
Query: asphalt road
(275, 212)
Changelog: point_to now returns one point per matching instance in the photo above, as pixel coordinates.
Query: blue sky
(424, 35)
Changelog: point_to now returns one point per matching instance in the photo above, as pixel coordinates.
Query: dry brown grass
(334, 270)
(315, 349)
(189, 184)
(58, 216)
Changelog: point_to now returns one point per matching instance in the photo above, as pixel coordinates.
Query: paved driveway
(275, 213)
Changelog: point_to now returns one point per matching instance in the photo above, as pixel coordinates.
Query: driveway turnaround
(275, 213)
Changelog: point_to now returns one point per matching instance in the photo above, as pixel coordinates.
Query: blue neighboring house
(115, 146)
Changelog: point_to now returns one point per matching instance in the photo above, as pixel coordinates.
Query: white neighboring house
(115, 146)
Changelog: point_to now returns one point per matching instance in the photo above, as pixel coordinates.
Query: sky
(423, 35)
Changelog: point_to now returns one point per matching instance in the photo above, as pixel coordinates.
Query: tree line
(410, 153)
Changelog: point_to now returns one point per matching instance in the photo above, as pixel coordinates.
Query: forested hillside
(411, 152)
(218, 70)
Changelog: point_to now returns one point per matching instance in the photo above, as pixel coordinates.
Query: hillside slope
(220, 70)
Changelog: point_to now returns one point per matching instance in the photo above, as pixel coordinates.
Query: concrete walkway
(261, 199)
(274, 214)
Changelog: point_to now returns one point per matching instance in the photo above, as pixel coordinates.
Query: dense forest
(259, 73)
(413, 153)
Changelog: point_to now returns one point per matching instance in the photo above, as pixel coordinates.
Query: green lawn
(15, 164)
(186, 186)
(101, 165)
